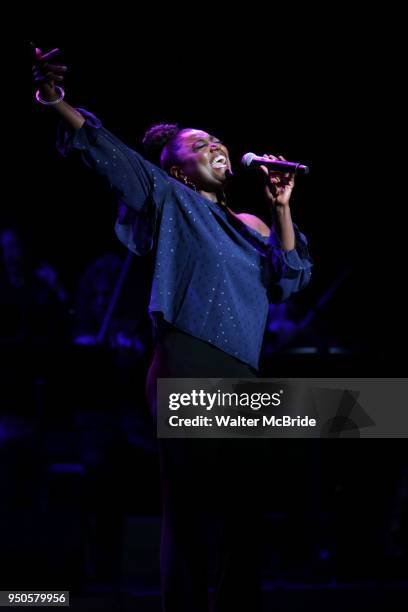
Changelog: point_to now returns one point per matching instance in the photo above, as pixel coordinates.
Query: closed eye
(202, 143)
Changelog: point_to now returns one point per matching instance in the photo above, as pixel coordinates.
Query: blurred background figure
(34, 318)
(97, 287)
(33, 300)
(111, 331)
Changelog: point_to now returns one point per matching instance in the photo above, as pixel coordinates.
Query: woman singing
(215, 272)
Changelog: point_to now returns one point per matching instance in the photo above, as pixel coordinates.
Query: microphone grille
(247, 159)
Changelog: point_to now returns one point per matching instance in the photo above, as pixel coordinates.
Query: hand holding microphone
(280, 175)
(280, 164)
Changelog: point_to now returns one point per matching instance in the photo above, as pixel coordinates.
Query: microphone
(250, 159)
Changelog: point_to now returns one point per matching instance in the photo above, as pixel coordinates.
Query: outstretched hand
(47, 75)
(279, 185)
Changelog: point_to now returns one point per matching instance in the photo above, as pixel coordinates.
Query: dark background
(340, 519)
(320, 106)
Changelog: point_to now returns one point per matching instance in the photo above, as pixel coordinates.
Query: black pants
(209, 486)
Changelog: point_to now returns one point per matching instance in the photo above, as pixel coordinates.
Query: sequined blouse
(213, 275)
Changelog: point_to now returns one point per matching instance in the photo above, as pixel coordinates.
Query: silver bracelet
(50, 102)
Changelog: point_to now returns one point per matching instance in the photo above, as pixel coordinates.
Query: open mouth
(220, 161)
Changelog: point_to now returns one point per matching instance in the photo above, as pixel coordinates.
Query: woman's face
(204, 159)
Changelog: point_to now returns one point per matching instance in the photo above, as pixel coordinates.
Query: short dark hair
(160, 144)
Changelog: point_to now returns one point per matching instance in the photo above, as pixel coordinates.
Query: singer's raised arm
(133, 178)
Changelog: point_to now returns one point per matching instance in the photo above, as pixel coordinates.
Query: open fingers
(48, 76)
(49, 68)
(46, 56)
(54, 77)
(57, 68)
